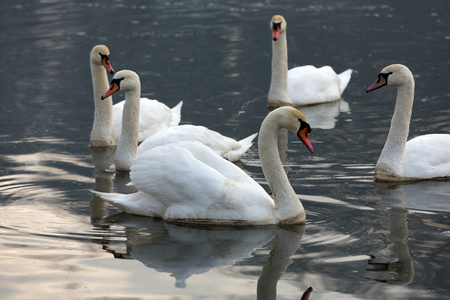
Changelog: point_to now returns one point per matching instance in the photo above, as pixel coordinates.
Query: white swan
(153, 116)
(127, 148)
(188, 182)
(423, 157)
(304, 85)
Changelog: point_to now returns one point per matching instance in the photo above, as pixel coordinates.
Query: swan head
(100, 56)
(293, 120)
(395, 74)
(277, 24)
(124, 80)
(303, 129)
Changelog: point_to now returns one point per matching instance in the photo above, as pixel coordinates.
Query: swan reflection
(324, 115)
(102, 157)
(400, 271)
(399, 198)
(423, 195)
(185, 250)
(427, 196)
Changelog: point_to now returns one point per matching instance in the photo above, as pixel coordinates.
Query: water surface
(362, 240)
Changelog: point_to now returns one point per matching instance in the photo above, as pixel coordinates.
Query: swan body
(221, 145)
(304, 85)
(188, 182)
(106, 129)
(421, 158)
(127, 149)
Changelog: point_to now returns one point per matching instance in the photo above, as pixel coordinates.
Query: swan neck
(128, 141)
(102, 129)
(392, 153)
(287, 204)
(278, 82)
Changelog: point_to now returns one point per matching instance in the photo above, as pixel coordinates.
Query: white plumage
(220, 144)
(153, 116)
(310, 85)
(423, 157)
(427, 156)
(127, 149)
(303, 85)
(188, 182)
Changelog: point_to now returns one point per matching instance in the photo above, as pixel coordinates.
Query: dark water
(57, 241)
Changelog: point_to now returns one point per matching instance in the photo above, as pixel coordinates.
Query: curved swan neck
(392, 153)
(128, 141)
(278, 82)
(287, 205)
(102, 129)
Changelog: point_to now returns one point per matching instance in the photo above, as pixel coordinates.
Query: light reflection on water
(56, 238)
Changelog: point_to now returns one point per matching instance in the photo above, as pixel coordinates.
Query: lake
(362, 240)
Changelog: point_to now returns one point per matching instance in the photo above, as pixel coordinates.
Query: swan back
(199, 186)
(222, 145)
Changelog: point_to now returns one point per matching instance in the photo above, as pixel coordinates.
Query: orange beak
(107, 64)
(303, 135)
(114, 88)
(276, 33)
(381, 81)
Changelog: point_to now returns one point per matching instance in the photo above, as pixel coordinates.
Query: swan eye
(116, 81)
(384, 75)
(104, 56)
(276, 26)
(303, 125)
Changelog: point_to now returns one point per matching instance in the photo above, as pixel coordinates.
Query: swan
(188, 182)
(154, 115)
(423, 157)
(303, 85)
(127, 149)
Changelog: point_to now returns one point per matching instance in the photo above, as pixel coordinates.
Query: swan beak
(307, 293)
(276, 31)
(107, 64)
(381, 81)
(276, 34)
(114, 88)
(303, 135)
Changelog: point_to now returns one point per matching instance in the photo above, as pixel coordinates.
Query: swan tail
(345, 79)
(138, 203)
(246, 143)
(176, 114)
